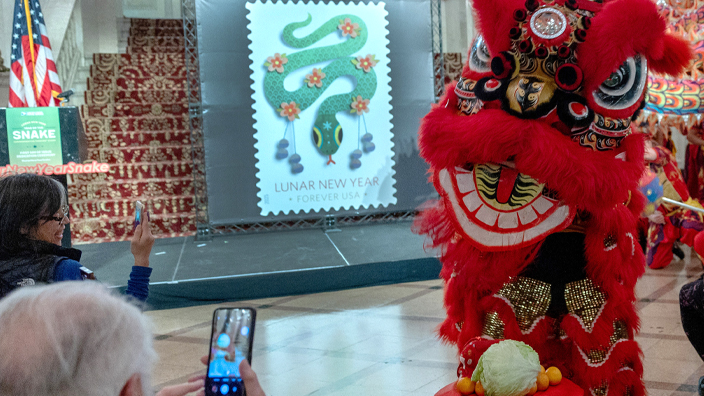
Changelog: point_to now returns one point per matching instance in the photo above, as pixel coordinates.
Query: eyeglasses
(64, 210)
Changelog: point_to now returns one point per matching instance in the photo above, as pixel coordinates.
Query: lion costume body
(533, 156)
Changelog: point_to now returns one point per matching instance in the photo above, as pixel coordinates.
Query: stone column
(2, 65)
(4, 89)
(4, 84)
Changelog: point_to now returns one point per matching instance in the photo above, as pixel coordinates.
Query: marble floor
(380, 340)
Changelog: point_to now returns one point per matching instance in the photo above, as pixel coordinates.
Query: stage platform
(249, 266)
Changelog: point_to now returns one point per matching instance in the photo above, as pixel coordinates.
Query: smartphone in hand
(138, 213)
(230, 342)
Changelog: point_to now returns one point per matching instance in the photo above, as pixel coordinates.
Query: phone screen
(138, 209)
(230, 343)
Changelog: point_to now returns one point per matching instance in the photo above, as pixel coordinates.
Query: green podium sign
(34, 136)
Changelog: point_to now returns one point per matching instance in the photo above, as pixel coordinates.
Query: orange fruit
(478, 388)
(532, 390)
(542, 369)
(543, 382)
(465, 386)
(554, 375)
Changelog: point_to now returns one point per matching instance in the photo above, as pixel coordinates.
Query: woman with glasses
(33, 216)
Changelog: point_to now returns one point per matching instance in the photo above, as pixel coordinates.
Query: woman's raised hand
(142, 242)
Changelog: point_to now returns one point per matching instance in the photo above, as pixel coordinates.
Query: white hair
(72, 338)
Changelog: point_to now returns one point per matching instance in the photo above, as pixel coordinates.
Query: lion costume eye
(479, 58)
(625, 86)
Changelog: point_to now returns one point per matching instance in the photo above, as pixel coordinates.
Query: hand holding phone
(231, 341)
(142, 241)
(138, 212)
(251, 382)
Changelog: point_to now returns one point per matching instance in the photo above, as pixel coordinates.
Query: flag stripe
(34, 80)
(29, 93)
(16, 88)
(39, 68)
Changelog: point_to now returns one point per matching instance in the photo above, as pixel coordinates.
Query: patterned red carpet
(136, 119)
(452, 65)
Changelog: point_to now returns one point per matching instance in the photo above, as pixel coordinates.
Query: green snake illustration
(327, 132)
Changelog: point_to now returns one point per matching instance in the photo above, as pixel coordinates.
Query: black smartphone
(138, 211)
(230, 342)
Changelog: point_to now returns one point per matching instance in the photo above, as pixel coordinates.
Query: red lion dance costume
(533, 156)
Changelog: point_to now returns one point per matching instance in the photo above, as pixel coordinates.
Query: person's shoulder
(67, 269)
(65, 261)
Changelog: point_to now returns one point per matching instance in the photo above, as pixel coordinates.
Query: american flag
(33, 81)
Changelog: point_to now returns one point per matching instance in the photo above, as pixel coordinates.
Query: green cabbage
(508, 368)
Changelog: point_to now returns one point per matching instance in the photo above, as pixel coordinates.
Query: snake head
(327, 134)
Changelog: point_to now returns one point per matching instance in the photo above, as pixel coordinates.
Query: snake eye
(624, 86)
(338, 135)
(479, 58)
(317, 137)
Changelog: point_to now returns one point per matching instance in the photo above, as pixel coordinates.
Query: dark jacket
(34, 263)
(39, 262)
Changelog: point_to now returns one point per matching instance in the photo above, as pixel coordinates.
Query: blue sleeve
(138, 285)
(67, 270)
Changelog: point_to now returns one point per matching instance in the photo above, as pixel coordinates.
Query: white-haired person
(33, 216)
(78, 339)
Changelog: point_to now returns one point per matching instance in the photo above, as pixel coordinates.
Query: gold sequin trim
(584, 300)
(609, 242)
(620, 332)
(493, 326)
(601, 390)
(529, 297)
(597, 356)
